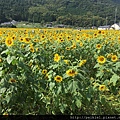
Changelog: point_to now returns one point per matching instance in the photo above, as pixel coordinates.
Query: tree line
(84, 13)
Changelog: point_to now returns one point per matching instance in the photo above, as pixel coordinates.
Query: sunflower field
(59, 71)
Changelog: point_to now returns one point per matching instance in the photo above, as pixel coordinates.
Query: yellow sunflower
(44, 71)
(27, 40)
(71, 72)
(114, 58)
(102, 87)
(101, 59)
(67, 48)
(81, 44)
(32, 49)
(98, 46)
(9, 41)
(21, 39)
(56, 57)
(58, 78)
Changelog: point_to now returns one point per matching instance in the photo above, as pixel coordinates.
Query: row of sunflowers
(59, 71)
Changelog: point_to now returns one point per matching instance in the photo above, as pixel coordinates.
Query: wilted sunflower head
(82, 62)
(5, 114)
(12, 80)
(66, 61)
(0, 59)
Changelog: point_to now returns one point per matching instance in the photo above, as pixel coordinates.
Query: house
(9, 24)
(60, 26)
(115, 27)
(105, 27)
(49, 25)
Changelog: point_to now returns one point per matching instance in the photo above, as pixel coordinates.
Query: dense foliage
(71, 12)
(59, 71)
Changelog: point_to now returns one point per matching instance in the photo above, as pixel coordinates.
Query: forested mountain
(69, 12)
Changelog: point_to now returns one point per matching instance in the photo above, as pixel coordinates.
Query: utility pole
(106, 20)
(115, 14)
(93, 21)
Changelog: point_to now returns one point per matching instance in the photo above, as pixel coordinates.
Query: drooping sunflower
(114, 58)
(37, 49)
(81, 44)
(71, 72)
(27, 40)
(58, 78)
(9, 41)
(32, 49)
(109, 55)
(73, 46)
(5, 114)
(56, 57)
(66, 61)
(12, 80)
(102, 87)
(101, 59)
(82, 62)
(0, 59)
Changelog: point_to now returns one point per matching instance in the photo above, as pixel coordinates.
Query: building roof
(115, 26)
(105, 26)
(6, 23)
(13, 22)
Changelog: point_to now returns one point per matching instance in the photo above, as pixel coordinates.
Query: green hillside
(69, 12)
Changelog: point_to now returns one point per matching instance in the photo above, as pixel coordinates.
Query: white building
(105, 27)
(115, 27)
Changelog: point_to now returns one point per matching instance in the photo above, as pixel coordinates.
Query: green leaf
(0, 73)
(62, 107)
(114, 79)
(99, 74)
(78, 103)
(117, 65)
(97, 65)
(8, 98)
(5, 51)
(59, 89)
(102, 99)
(73, 85)
(10, 59)
(2, 90)
(51, 85)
